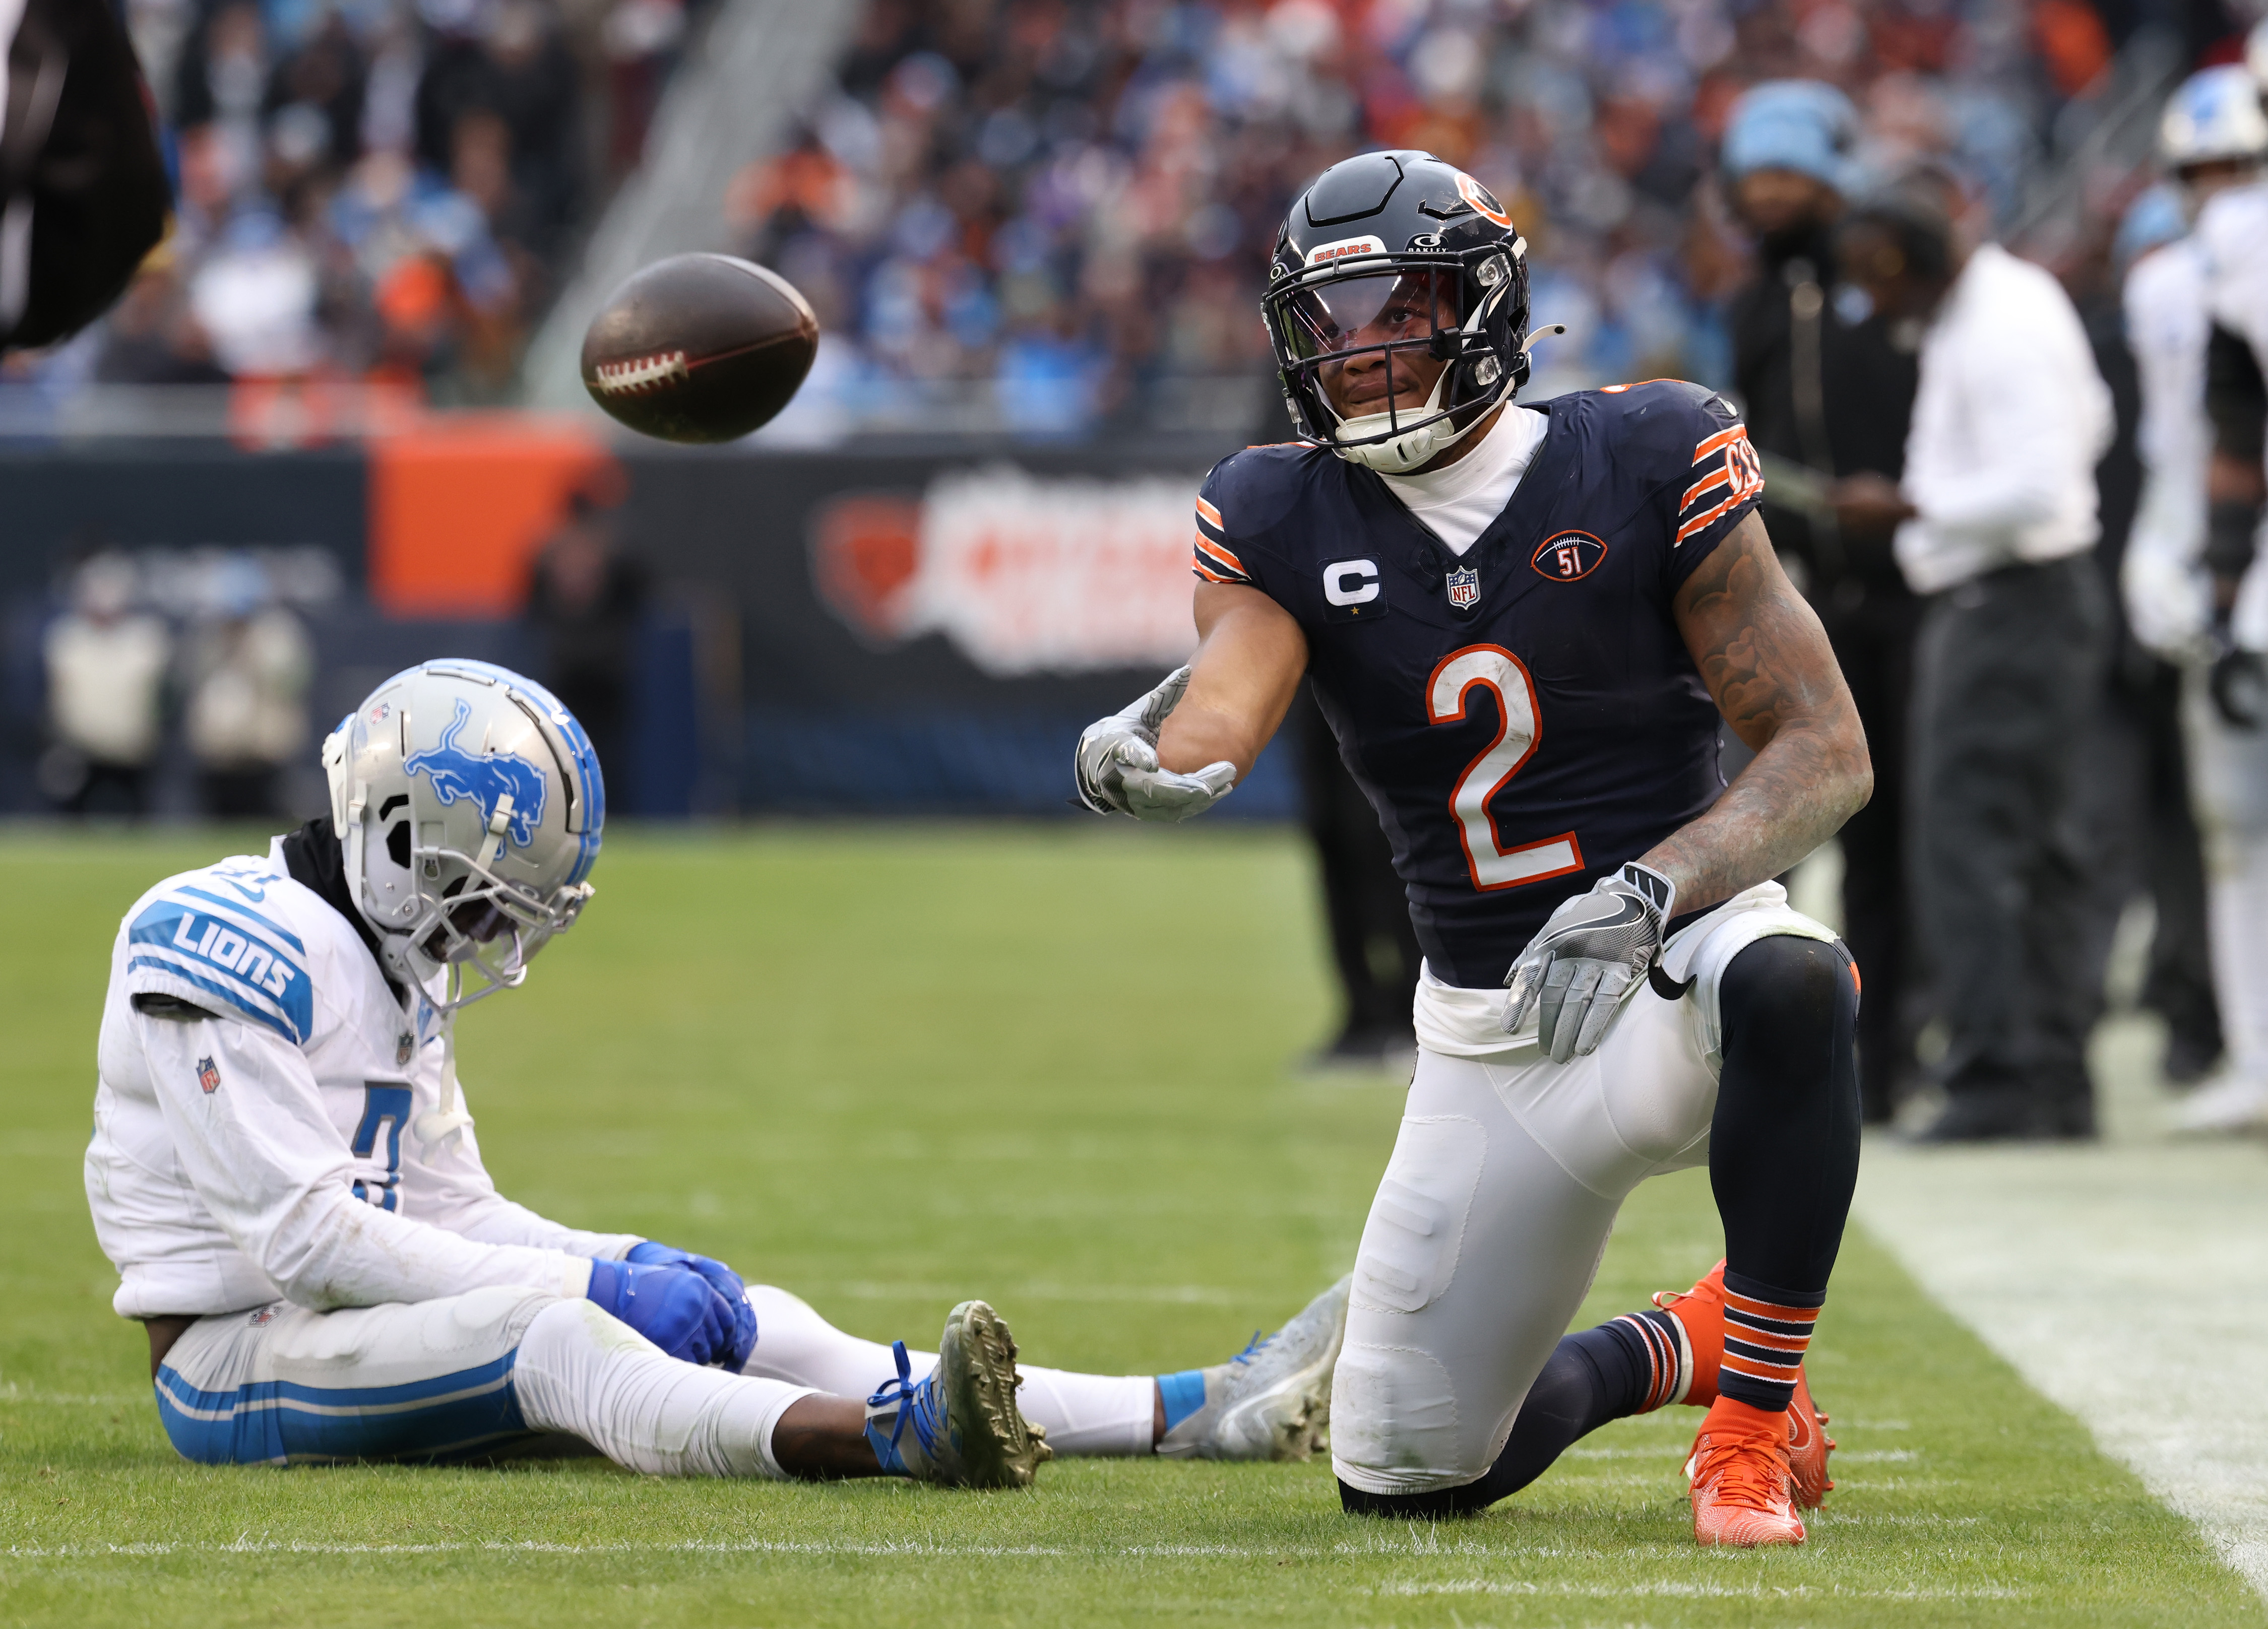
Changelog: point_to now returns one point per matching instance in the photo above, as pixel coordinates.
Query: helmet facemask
(1463, 309)
(435, 893)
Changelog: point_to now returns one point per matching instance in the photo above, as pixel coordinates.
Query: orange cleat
(1740, 1483)
(1807, 1448)
(1700, 1312)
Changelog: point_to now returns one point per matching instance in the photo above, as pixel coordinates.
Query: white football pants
(1495, 1208)
(2228, 790)
(496, 1370)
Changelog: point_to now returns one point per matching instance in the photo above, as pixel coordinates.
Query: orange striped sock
(1767, 1331)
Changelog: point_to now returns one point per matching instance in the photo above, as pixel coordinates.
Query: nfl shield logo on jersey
(209, 1075)
(1465, 588)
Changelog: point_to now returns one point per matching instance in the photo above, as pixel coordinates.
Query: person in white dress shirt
(1996, 518)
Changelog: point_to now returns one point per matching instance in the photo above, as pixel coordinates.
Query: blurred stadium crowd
(373, 190)
(1075, 201)
(1064, 203)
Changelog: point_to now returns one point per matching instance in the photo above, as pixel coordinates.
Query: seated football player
(286, 1177)
(1525, 624)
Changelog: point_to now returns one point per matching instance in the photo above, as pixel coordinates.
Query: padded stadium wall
(910, 630)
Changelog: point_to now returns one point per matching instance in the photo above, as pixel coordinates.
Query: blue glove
(674, 1308)
(722, 1280)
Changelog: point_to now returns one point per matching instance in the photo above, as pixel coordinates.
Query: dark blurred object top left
(83, 185)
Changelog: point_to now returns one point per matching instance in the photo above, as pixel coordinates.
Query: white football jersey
(271, 1150)
(2166, 327)
(2231, 238)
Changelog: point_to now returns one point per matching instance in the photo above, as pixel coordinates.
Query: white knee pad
(1479, 1247)
(1417, 1226)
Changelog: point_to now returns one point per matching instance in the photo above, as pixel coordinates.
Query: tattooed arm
(1766, 660)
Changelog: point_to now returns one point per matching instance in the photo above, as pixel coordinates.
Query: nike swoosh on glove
(1592, 953)
(1116, 764)
(674, 1308)
(722, 1279)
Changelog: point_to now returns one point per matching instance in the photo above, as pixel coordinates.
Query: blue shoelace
(917, 1402)
(1252, 1348)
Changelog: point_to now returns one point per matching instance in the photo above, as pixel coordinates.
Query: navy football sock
(1782, 1152)
(1600, 1374)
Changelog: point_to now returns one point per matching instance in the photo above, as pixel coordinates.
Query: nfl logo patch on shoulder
(405, 1047)
(209, 1075)
(1465, 588)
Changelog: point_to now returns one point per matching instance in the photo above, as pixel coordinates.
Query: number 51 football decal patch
(1565, 555)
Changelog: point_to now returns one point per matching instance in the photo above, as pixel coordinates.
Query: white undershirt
(1458, 503)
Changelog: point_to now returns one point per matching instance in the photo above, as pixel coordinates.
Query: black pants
(1872, 627)
(2136, 799)
(1373, 945)
(2008, 678)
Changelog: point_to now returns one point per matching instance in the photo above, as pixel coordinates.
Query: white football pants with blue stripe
(498, 1371)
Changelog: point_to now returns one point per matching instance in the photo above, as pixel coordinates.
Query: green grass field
(888, 1069)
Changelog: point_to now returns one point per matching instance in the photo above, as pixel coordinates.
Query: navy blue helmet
(1397, 253)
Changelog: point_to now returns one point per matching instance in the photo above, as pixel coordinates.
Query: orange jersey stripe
(1700, 521)
(1220, 556)
(1199, 568)
(1719, 479)
(1210, 513)
(1722, 438)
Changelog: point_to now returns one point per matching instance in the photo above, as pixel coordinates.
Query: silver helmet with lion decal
(470, 806)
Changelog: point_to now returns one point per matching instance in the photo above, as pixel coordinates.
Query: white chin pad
(1395, 456)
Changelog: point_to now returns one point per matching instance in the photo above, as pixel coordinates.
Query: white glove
(2168, 603)
(1590, 956)
(1116, 764)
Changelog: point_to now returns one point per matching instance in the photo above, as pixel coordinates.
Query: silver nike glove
(1591, 954)
(1116, 764)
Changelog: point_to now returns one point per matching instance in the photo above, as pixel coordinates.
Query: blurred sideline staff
(83, 190)
(105, 670)
(1997, 514)
(1787, 162)
(2198, 589)
(1366, 907)
(586, 603)
(248, 665)
(2135, 797)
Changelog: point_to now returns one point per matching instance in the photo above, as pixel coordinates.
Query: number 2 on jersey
(1501, 672)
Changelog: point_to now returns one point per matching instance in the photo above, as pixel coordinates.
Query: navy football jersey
(1524, 717)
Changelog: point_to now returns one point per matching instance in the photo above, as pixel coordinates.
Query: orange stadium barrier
(459, 507)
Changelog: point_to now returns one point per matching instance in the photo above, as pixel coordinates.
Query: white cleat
(2234, 1103)
(1272, 1399)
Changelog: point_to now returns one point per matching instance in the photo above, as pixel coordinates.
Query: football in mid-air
(699, 348)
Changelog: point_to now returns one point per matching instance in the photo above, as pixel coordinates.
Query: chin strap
(438, 1127)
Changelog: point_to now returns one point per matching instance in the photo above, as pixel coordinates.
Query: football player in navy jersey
(1524, 624)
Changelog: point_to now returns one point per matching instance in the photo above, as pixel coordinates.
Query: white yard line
(2128, 1282)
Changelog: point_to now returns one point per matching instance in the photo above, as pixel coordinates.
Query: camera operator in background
(1787, 160)
(2198, 311)
(1996, 517)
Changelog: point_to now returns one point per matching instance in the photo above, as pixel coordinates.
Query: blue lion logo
(485, 777)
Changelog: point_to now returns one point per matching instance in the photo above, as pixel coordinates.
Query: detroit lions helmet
(469, 804)
(1409, 248)
(2214, 116)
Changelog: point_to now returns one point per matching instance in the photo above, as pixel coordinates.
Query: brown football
(699, 348)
